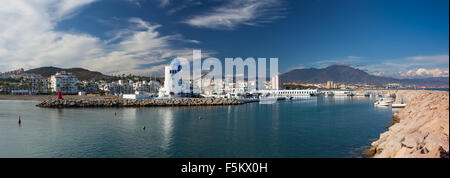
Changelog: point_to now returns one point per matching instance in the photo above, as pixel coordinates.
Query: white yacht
(381, 102)
(268, 99)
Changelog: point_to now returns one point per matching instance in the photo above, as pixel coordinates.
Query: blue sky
(400, 38)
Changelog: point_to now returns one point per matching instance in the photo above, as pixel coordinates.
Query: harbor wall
(86, 103)
(420, 130)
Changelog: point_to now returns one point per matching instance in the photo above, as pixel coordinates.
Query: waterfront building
(64, 82)
(290, 92)
(112, 88)
(149, 87)
(36, 84)
(275, 82)
(330, 85)
(173, 85)
(89, 87)
(20, 92)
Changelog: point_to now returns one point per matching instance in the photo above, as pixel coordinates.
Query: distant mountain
(82, 74)
(346, 74)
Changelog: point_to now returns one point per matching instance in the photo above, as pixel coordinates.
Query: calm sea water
(307, 127)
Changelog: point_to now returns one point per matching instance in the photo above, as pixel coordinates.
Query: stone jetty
(89, 103)
(420, 130)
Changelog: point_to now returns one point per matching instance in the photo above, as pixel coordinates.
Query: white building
(275, 80)
(149, 87)
(290, 92)
(173, 85)
(90, 87)
(36, 84)
(64, 82)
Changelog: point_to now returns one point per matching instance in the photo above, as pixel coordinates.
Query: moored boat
(381, 102)
(398, 105)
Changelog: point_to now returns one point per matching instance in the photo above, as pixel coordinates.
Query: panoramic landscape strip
(251, 81)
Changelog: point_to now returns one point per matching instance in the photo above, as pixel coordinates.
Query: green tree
(40, 84)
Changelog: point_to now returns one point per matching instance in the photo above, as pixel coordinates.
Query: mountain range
(347, 74)
(82, 74)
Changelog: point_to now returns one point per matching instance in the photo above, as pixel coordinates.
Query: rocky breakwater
(88, 103)
(420, 130)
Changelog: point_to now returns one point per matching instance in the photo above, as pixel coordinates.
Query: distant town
(18, 82)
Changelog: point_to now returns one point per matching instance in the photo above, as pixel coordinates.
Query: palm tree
(66, 86)
(40, 84)
(79, 86)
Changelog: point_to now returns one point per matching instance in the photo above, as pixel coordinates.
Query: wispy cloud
(164, 3)
(410, 67)
(184, 5)
(431, 59)
(238, 12)
(28, 39)
(135, 2)
(349, 60)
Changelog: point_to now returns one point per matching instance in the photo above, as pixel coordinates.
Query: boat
(398, 105)
(387, 99)
(268, 99)
(381, 102)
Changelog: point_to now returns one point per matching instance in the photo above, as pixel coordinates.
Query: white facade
(290, 92)
(173, 85)
(275, 82)
(137, 95)
(36, 84)
(64, 82)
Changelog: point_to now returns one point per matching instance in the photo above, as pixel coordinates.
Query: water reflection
(167, 129)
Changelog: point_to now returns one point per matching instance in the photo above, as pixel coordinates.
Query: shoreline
(420, 130)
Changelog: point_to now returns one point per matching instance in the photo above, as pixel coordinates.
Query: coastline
(420, 130)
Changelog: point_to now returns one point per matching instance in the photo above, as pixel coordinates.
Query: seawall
(89, 103)
(420, 130)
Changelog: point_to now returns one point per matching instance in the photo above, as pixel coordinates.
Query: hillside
(346, 74)
(81, 73)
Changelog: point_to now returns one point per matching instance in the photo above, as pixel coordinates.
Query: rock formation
(420, 130)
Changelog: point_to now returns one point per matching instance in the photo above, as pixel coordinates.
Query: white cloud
(28, 39)
(238, 12)
(436, 58)
(424, 73)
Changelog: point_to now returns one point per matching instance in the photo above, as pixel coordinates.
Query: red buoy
(19, 121)
(59, 95)
(115, 114)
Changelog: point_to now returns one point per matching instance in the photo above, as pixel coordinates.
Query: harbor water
(301, 128)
